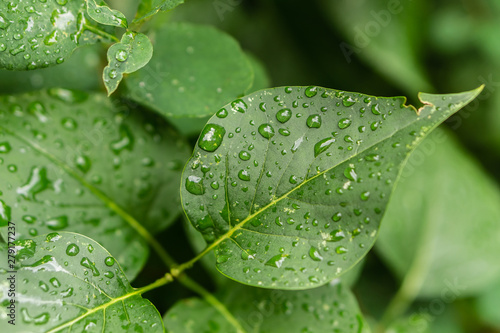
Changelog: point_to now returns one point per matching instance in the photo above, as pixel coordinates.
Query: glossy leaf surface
(38, 34)
(148, 8)
(442, 224)
(194, 70)
(331, 308)
(132, 53)
(69, 283)
(289, 184)
(76, 162)
(100, 12)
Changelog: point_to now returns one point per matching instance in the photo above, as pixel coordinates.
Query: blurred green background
(382, 48)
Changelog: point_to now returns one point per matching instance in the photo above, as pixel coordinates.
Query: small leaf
(331, 308)
(148, 8)
(38, 34)
(195, 69)
(68, 282)
(103, 14)
(132, 53)
(81, 162)
(443, 219)
(304, 173)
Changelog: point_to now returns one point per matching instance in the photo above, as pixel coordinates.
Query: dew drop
(239, 105)
(244, 175)
(266, 130)
(314, 254)
(365, 195)
(337, 235)
(194, 185)
(222, 113)
(276, 261)
(344, 123)
(72, 250)
(211, 137)
(5, 147)
(311, 91)
(348, 101)
(121, 55)
(314, 121)
(244, 155)
(322, 145)
(57, 223)
(284, 115)
(109, 261)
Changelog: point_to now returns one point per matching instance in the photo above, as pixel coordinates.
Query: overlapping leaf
(69, 283)
(148, 8)
(84, 163)
(100, 12)
(331, 308)
(289, 185)
(442, 226)
(38, 34)
(194, 70)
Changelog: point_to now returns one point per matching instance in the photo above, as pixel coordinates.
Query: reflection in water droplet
(314, 254)
(348, 101)
(244, 175)
(322, 145)
(239, 105)
(245, 156)
(344, 123)
(284, 115)
(311, 91)
(72, 250)
(337, 235)
(109, 261)
(211, 137)
(277, 260)
(314, 121)
(266, 130)
(194, 185)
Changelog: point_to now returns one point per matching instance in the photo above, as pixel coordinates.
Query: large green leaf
(194, 70)
(442, 225)
(38, 34)
(83, 163)
(289, 185)
(133, 52)
(488, 305)
(148, 8)
(69, 283)
(331, 308)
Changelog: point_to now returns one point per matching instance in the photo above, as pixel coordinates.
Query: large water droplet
(348, 101)
(314, 121)
(121, 55)
(87, 263)
(244, 155)
(194, 185)
(277, 260)
(323, 145)
(41, 319)
(211, 137)
(266, 130)
(311, 91)
(57, 223)
(72, 250)
(5, 147)
(344, 123)
(337, 235)
(83, 163)
(350, 173)
(5, 214)
(284, 115)
(244, 175)
(37, 182)
(314, 254)
(239, 105)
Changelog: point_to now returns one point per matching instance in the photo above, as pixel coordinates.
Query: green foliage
(287, 189)
(83, 280)
(79, 162)
(289, 185)
(41, 34)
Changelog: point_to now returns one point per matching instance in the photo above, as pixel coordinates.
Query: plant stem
(167, 278)
(101, 33)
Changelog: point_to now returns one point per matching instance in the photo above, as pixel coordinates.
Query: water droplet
(222, 113)
(375, 109)
(344, 123)
(239, 105)
(67, 293)
(348, 101)
(85, 262)
(38, 320)
(37, 182)
(125, 142)
(277, 260)
(266, 130)
(365, 195)
(244, 175)
(374, 125)
(5, 147)
(53, 237)
(113, 74)
(72, 250)
(293, 179)
(57, 223)
(55, 282)
(194, 185)
(314, 254)
(314, 121)
(284, 115)
(121, 55)
(5, 214)
(109, 261)
(69, 124)
(322, 145)
(83, 163)
(211, 137)
(311, 91)
(244, 155)
(43, 286)
(336, 217)
(341, 250)
(263, 107)
(372, 158)
(350, 173)
(337, 235)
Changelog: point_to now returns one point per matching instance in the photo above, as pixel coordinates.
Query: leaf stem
(101, 33)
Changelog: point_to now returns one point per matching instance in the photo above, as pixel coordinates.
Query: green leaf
(331, 308)
(68, 282)
(103, 14)
(132, 53)
(86, 59)
(488, 305)
(289, 185)
(195, 69)
(441, 226)
(85, 163)
(38, 34)
(261, 79)
(148, 8)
